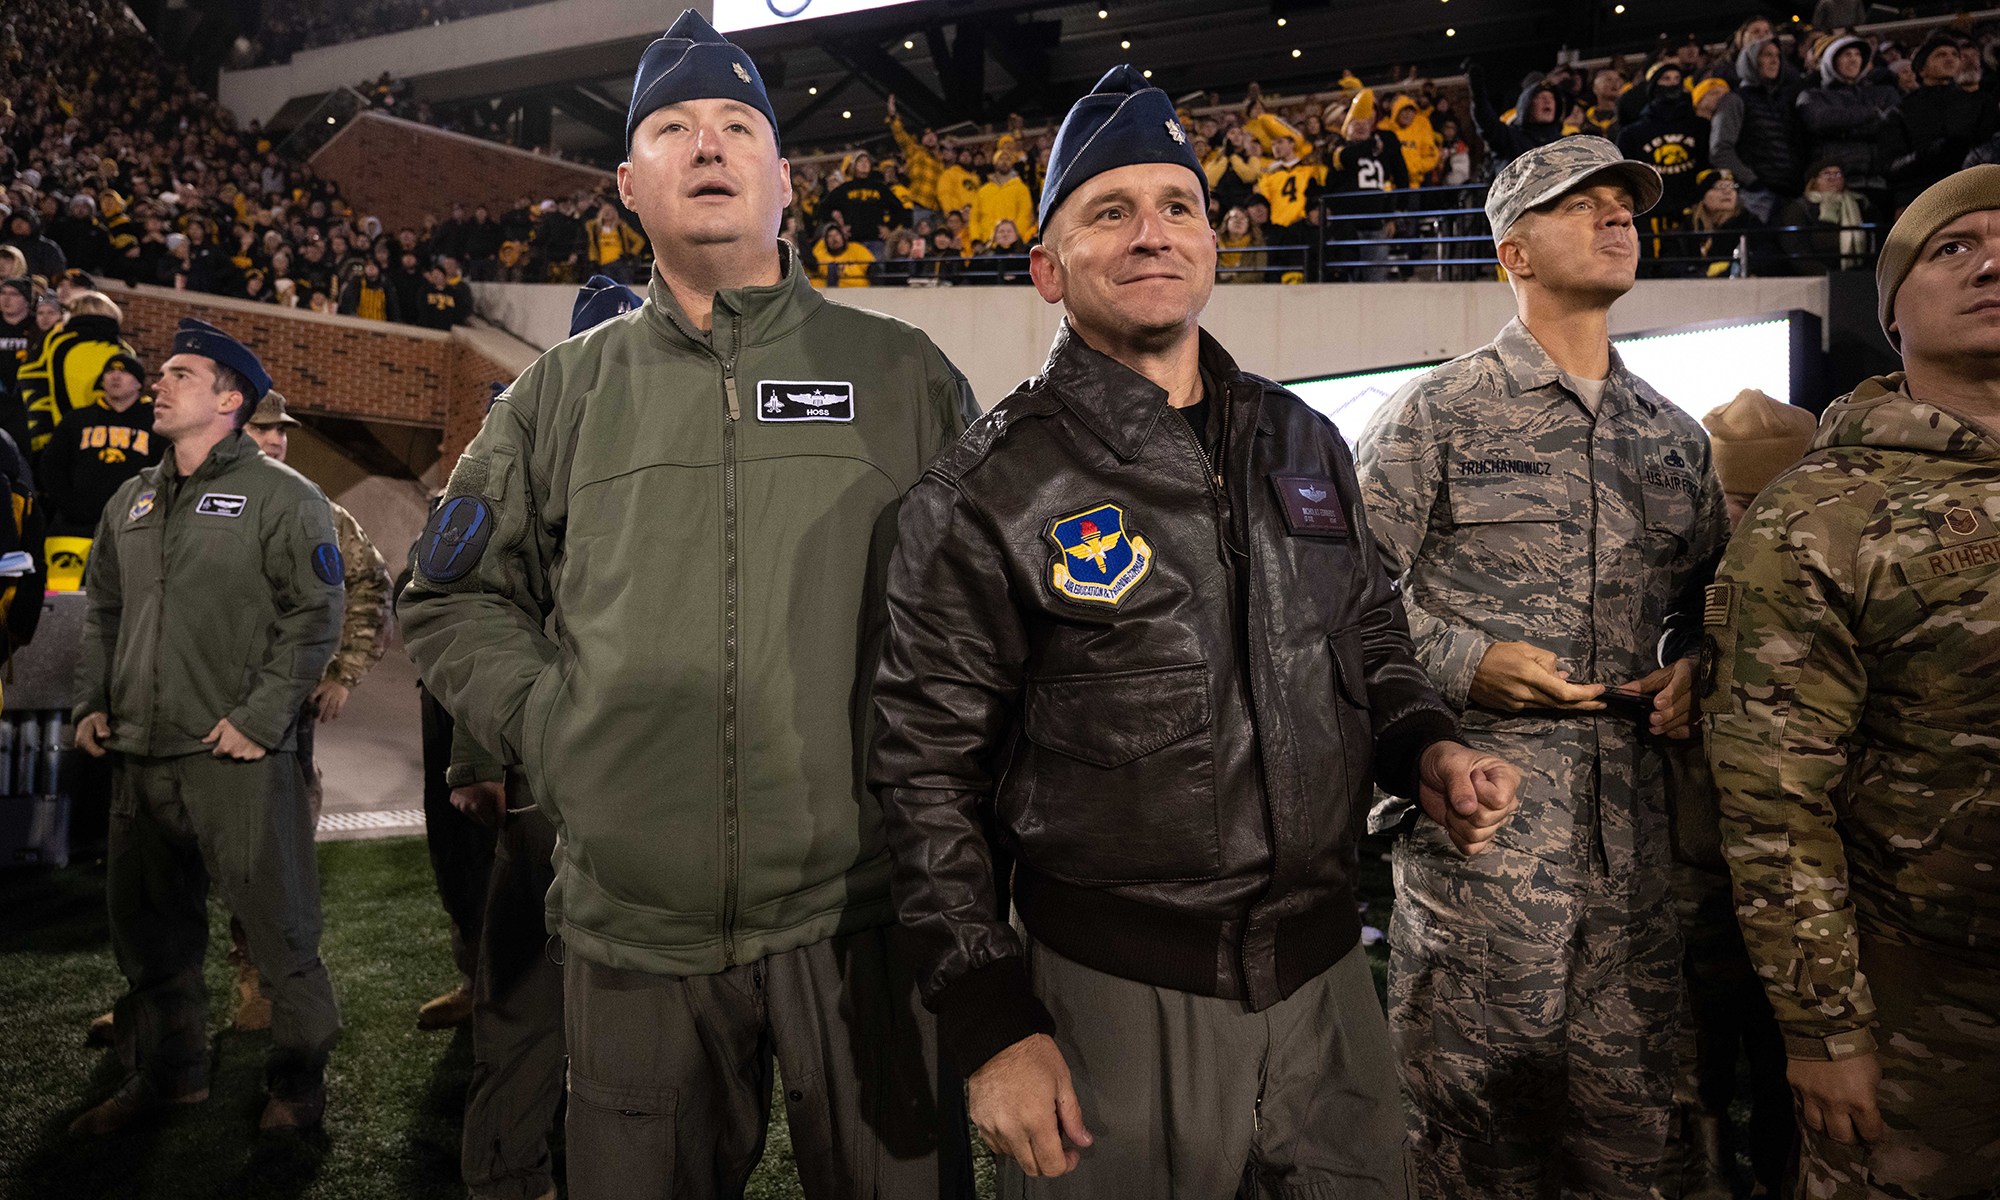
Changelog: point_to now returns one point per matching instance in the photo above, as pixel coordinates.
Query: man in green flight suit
(215, 586)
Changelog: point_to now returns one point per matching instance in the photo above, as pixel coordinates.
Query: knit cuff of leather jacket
(987, 1010)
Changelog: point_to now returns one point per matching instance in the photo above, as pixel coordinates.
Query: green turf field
(394, 1092)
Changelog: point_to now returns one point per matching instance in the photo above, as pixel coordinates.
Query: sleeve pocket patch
(328, 565)
(454, 539)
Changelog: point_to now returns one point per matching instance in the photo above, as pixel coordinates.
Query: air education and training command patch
(456, 536)
(142, 506)
(1099, 559)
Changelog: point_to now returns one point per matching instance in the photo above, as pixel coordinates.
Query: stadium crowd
(1784, 149)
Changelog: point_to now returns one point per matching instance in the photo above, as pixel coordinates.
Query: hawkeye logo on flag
(220, 504)
(788, 400)
(1098, 559)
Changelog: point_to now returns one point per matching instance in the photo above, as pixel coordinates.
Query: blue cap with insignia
(598, 301)
(199, 337)
(691, 61)
(1123, 121)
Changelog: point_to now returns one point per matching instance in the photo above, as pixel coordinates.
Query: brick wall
(399, 170)
(336, 366)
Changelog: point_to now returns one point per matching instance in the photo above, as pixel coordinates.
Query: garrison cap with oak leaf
(1563, 166)
(691, 61)
(1123, 121)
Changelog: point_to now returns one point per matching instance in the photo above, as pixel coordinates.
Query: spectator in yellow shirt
(1287, 182)
(922, 163)
(1411, 126)
(1003, 198)
(839, 262)
(958, 185)
(1267, 127)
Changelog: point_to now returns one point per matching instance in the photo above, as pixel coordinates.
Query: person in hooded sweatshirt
(24, 232)
(1755, 133)
(1847, 117)
(1539, 113)
(1671, 138)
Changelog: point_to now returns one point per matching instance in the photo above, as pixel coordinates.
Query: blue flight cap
(1123, 121)
(598, 301)
(691, 61)
(199, 337)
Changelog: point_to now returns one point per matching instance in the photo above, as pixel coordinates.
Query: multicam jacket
(1853, 683)
(364, 627)
(1511, 513)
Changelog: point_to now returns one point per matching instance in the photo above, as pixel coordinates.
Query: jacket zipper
(731, 839)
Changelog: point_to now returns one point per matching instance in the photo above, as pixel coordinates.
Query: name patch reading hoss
(220, 504)
(785, 401)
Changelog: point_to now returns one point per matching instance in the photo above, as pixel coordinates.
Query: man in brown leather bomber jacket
(1143, 668)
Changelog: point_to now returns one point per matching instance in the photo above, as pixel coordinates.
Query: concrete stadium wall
(491, 41)
(399, 170)
(1000, 336)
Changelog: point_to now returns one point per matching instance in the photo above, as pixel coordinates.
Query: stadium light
(908, 44)
(1125, 45)
(846, 115)
(1296, 53)
(1147, 73)
(1102, 13)
(1451, 33)
(1281, 22)
(812, 91)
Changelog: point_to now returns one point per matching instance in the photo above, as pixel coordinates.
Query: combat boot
(452, 1008)
(103, 1031)
(253, 1007)
(129, 1103)
(298, 1115)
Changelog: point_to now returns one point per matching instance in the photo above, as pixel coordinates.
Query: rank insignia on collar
(141, 506)
(1098, 558)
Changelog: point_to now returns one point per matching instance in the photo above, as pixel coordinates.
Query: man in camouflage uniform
(1546, 511)
(1853, 652)
(364, 632)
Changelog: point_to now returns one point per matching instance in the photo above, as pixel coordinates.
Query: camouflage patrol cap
(1562, 166)
(271, 411)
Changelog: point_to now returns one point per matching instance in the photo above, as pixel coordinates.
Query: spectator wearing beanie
(1717, 224)
(958, 186)
(482, 243)
(23, 231)
(1939, 123)
(1674, 141)
(1004, 197)
(1826, 223)
(866, 206)
(1755, 132)
(920, 163)
(1539, 113)
(369, 295)
(97, 449)
(840, 262)
(17, 329)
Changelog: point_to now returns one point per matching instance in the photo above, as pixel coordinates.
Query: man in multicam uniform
(1546, 511)
(1855, 733)
(364, 632)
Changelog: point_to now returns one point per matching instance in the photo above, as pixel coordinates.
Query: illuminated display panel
(733, 16)
(1698, 369)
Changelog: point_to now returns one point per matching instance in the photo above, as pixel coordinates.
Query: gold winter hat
(1974, 189)
(1755, 439)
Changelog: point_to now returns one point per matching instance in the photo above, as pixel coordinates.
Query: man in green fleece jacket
(655, 583)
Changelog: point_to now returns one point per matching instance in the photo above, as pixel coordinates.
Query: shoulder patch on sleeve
(454, 539)
(1718, 606)
(328, 564)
